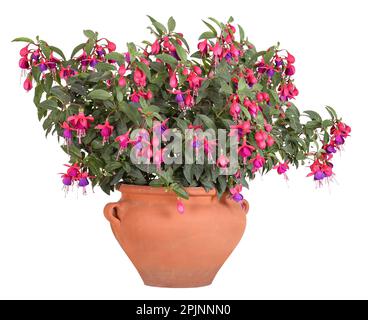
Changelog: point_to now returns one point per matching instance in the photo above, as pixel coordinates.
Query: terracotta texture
(170, 249)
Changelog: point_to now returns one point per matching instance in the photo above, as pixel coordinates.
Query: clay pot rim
(150, 190)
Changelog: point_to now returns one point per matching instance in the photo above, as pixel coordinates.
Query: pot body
(170, 249)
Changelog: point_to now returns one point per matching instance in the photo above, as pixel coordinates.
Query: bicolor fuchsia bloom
(258, 162)
(105, 130)
(261, 138)
(67, 133)
(23, 63)
(124, 142)
(242, 129)
(139, 77)
(216, 49)
(173, 81)
(245, 150)
(282, 167)
(236, 193)
(67, 72)
(81, 124)
(235, 109)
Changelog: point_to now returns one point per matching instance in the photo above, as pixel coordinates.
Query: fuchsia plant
(96, 99)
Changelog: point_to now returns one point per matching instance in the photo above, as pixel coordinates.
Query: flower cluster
(75, 176)
(107, 105)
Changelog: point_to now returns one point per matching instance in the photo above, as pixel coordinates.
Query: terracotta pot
(170, 249)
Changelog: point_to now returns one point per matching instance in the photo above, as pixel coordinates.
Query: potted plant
(178, 135)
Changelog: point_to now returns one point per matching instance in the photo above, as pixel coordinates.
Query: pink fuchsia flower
(290, 70)
(194, 80)
(122, 70)
(287, 91)
(270, 141)
(189, 100)
(24, 51)
(242, 128)
(320, 170)
(252, 106)
(111, 46)
(222, 161)
(235, 193)
(124, 142)
(282, 167)
(81, 124)
(83, 181)
(27, 84)
(180, 206)
(216, 49)
(155, 47)
(173, 80)
(245, 150)
(203, 47)
(235, 108)
(23, 63)
(66, 73)
(340, 131)
(258, 162)
(261, 138)
(251, 79)
(67, 133)
(73, 170)
(209, 146)
(140, 78)
(290, 58)
(122, 82)
(105, 131)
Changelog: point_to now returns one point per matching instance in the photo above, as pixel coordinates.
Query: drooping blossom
(105, 131)
(67, 133)
(245, 150)
(80, 123)
(235, 193)
(124, 142)
(222, 161)
(257, 162)
(140, 78)
(27, 84)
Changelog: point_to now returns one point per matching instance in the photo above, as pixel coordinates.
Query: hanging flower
(81, 124)
(67, 133)
(180, 206)
(105, 131)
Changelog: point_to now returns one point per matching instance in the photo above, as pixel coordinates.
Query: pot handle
(111, 214)
(245, 206)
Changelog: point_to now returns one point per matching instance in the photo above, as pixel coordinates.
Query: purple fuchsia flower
(67, 133)
(290, 70)
(258, 162)
(242, 129)
(105, 131)
(73, 170)
(66, 73)
(81, 124)
(282, 167)
(235, 193)
(42, 66)
(83, 181)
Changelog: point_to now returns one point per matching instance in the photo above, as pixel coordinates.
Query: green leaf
(132, 49)
(207, 35)
(118, 57)
(313, 115)
(102, 66)
(158, 26)
(58, 51)
(327, 123)
(38, 94)
(179, 190)
(48, 82)
(167, 59)
(99, 94)
(90, 34)
(220, 25)
(72, 150)
(188, 173)
(49, 104)
(181, 52)
(243, 88)
(213, 30)
(112, 166)
(23, 39)
(198, 170)
(76, 49)
(131, 112)
(171, 24)
(225, 88)
(332, 112)
(208, 122)
(45, 48)
(60, 94)
(241, 33)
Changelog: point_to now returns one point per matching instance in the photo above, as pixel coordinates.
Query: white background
(300, 242)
